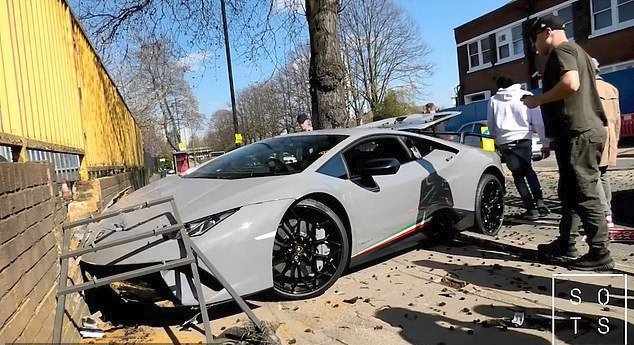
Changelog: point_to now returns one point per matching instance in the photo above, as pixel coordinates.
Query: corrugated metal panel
(5, 152)
(46, 63)
(66, 165)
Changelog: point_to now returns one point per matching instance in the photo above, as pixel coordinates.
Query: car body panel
(240, 246)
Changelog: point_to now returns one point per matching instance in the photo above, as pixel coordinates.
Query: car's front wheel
(489, 208)
(310, 252)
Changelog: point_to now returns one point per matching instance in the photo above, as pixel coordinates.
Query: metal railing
(189, 257)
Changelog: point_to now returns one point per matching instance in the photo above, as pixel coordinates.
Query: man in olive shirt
(575, 121)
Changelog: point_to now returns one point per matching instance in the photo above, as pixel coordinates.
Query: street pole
(229, 70)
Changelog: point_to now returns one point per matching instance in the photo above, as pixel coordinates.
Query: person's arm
(490, 119)
(566, 58)
(536, 120)
(568, 84)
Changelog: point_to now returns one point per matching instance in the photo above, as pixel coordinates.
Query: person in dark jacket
(574, 118)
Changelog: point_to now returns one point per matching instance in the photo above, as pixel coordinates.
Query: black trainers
(558, 249)
(543, 210)
(593, 261)
(531, 214)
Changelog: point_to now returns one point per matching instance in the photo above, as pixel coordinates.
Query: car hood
(200, 197)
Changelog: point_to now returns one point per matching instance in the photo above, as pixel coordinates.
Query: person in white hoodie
(512, 124)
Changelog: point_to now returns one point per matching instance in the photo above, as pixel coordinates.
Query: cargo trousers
(578, 156)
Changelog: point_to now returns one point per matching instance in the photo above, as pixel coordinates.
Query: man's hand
(545, 152)
(531, 101)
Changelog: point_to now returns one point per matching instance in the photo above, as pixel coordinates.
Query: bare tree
(384, 50)
(155, 89)
(261, 111)
(197, 24)
(292, 83)
(220, 136)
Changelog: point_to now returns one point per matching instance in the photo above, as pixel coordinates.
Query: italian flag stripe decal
(394, 237)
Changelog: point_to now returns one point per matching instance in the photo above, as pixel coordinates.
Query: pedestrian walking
(610, 100)
(574, 118)
(512, 124)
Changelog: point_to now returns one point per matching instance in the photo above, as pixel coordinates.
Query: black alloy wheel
(310, 252)
(489, 211)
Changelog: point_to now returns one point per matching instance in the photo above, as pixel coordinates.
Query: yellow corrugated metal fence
(55, 93)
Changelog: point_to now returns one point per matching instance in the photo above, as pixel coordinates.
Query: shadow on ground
(506, 276)
(622, 206)
(121, 313)
(419, 328)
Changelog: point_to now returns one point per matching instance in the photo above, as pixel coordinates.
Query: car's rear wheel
(310, 252)
(489, 208)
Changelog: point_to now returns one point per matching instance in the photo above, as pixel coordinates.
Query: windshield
(276, 156)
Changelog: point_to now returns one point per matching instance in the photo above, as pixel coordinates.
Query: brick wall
(30, 237)
(111, 186)
(91, 196)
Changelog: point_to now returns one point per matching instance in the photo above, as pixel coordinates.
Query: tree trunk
(327, 71)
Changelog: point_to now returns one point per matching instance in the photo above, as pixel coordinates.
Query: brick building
(496, 44)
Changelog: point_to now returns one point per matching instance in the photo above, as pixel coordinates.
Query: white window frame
(616, 26)
(486, 93)
(512, 54)
(480, 55)
(556, 12)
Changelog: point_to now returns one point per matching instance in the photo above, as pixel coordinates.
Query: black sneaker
(543, 210)
(532, 214)
(558, 249)
(593, 261)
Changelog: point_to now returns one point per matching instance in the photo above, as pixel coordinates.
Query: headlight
(202, 225)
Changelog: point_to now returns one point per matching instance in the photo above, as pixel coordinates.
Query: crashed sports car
(293, 212)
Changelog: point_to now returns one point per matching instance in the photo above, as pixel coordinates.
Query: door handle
(448, 158)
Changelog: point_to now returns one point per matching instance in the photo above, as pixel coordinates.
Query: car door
(382, 207)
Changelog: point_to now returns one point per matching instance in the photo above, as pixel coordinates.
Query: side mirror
(380, 166)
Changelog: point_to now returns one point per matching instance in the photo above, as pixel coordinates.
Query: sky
(436, 21)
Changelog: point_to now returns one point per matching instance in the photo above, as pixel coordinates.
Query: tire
(489, 205)
(310, 252)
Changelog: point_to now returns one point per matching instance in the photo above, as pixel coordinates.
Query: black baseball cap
(548, 21)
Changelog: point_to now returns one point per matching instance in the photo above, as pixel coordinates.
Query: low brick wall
(111, 186)
(92, 196)
(30, 235)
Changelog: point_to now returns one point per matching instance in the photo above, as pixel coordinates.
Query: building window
(565, 14)
(474, 52)
(510, 43)
(479, 53)
(611, 15)
(478, 96)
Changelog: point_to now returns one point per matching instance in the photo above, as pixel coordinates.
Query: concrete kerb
(526, 251)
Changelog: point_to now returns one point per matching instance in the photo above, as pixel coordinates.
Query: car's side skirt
(399, 235)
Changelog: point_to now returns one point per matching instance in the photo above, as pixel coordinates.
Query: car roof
(387, 126)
